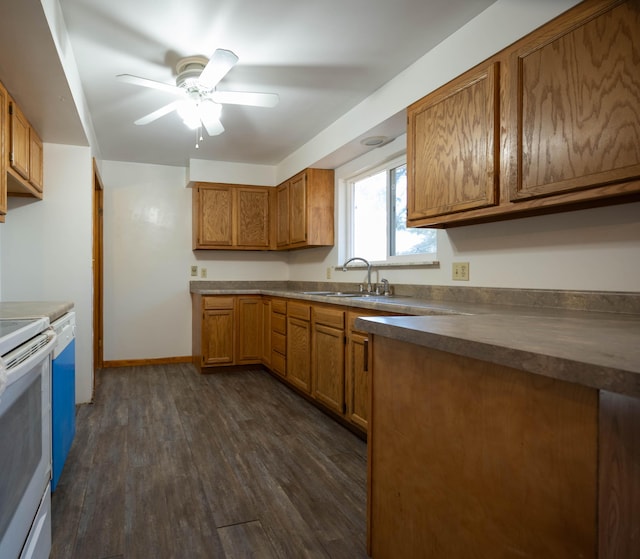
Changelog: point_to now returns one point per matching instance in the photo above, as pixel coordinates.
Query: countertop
(34, 309)
(598, 349)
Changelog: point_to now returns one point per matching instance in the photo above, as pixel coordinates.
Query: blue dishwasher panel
(63, 408)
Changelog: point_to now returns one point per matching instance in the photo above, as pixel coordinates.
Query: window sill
(391, 265)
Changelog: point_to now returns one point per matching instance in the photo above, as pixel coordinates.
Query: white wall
(596, 249)
(148, 256)
(46, 248)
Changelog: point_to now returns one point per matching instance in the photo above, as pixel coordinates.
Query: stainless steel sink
(348, 294)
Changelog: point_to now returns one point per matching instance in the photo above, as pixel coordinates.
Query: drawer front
(299, 310)
(278, 343)
(329, 317)
(218, 302)
(279, 306)
(278, 323)
(278, 363)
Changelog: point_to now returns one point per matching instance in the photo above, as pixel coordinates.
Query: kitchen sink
(347, 294)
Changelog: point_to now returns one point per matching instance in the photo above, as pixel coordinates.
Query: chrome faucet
(344, 269)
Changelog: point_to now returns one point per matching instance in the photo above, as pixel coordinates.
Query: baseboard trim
(139, 362)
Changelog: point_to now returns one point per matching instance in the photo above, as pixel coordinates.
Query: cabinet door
(452, 146)
(218, 337)
(282, 226)
(215, 215)
(249, 315)
(328, 367)
(252, 221)
(574, 120)
(357, 381)
(299, 353)
(35, 160)
(19, 141)
(298, 209)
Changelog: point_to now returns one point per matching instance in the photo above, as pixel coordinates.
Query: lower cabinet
(298, 345)
(328, 356)
(313, 347)
(227, 330)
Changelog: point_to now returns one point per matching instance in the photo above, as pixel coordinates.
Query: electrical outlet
(203, 272)
(328, 272)
(460, 271)
(194, 271)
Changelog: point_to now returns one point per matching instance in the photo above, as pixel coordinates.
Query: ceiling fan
(200, 103)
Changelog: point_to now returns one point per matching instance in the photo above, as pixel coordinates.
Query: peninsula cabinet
(551, 123)
(233, 217)
(356, 372)
(472, 459)
(305, 208)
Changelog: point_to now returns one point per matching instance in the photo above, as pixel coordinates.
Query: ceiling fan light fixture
(188, 112)
(210, 110)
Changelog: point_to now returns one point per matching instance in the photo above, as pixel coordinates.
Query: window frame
(406, 259)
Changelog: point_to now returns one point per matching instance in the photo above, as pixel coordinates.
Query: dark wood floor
(168, 463)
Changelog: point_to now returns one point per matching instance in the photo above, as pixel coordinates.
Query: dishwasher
(63, 393)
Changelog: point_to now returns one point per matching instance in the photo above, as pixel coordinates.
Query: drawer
(328, 317)
(279, 306)
(299, 310)
(278, 363)
(218, 302)
(278, 343)
(278, 323)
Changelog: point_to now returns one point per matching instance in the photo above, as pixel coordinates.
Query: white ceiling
(322, 57)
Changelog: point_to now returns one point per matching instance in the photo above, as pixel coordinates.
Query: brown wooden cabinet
(305, 210)
(299, 345)
(249, 313)
(356, 372)
(218, 331)
(23, 154)
(233, 217)
(452, 148)
(457, 442)
(328, 357)
(574, 117)
(279, 337)
(266, 330)
(548, 124)
(227, 330)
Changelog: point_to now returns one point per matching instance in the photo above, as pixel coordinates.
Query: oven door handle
(22, 359)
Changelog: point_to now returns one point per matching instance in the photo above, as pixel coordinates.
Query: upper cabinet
(23, 154)
(453, 143)
(21, 169)
(549, 124)
(229, 216)
(575, 117)
(305, 209)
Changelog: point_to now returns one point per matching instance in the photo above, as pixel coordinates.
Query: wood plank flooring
(168, 463)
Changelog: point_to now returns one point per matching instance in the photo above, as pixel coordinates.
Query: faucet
(344, 269)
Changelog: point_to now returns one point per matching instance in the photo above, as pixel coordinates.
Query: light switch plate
(194, 271)
(460, 271)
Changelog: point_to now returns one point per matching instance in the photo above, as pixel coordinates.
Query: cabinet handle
(366, 355)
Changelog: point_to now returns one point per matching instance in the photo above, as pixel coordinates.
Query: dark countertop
(598, 349)
(34, 309)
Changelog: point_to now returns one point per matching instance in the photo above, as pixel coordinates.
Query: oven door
(25, 443)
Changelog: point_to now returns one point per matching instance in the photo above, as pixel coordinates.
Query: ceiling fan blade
(144, 82)
(213, 126)
(245, 98)
(155, 115)
(220, 63)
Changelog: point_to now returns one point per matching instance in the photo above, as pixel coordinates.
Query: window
(378, 218)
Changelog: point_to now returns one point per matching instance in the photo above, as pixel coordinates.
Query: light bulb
(188, 111)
